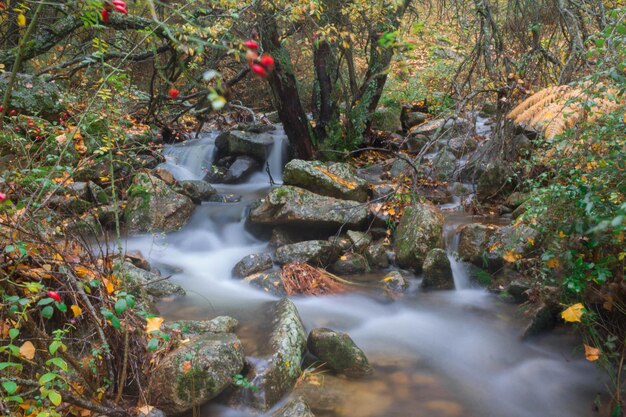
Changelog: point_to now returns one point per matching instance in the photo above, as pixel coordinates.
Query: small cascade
(190, 159)
(451, 240)
(277, 157)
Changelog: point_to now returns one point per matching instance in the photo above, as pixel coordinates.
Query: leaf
(13, 333)
(27, 350)
(145, 410)
(153, 344)
(511, 256)
(591, 353)
(153, 323)
(573, 313)
(47, 312)
(21, 20)
(115, 322)
(9, 386)
(120, 306)
(553, 263)
(76, 310)
(55, 398)
(47, 378)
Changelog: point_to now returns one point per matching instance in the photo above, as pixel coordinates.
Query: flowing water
(435, 354)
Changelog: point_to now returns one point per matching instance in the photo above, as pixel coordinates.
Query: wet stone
(339, 352)
(252, 264)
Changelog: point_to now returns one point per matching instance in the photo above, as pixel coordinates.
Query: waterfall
(191, 159)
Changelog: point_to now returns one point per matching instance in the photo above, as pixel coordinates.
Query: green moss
(189, 385)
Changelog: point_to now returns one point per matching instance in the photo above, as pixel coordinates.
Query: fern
(553, 110)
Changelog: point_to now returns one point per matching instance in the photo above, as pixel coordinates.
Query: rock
(318, 252)
(541, 318)
(419, 231)
(269, 282)
(383, 192)
(255, 145)
(413, 118)
(154, 284)
(339, 352)
(225, 198)
(359, 240)
(153, 207)
(149, 411)
(340, 243)
(474, 242)
(273, 117)
(519, 239)
(518, 290)
(437, 271)
(462, 145)
(240, 170)
(444, 165)
(220, 324)
(516, 199)
(33, 95)
(324, 393)
(279, 373)
(395, 282)
(337, 180)
(137, 259)
(255, 127)
(69, 206)
(97, 193)
(372, 174)
(401, 167)
(197, 190)
(387, 119)
(376, 255)
(195, 372)
(78, 189)
(517, 147)
(442, 127)
(252, 264)
(495, 180)
(414, 143)
(295, 206)
(164, 174)
(294, 408)
(349, 264)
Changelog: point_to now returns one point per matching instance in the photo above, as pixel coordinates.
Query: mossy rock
(437, 271)
(419, 231)
(34, 95)
(339, 352)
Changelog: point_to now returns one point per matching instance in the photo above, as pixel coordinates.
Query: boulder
(495, 180)
(287, 205)
(33, 95)
(414, 143)
(195, 372)
(76, 189)
(376, 255)
(338, 180)
(154, 207)
(294, 408)
(349, 264)
(413, 118)
(444, 165)
(442, 127)
(197, 190)
(462, 145)
(339, 352)
(540, 318)
(474, 242)
(340, 243)
(97, 193)
(359, 240)
(395, 282)
(240, 170)
(220, 324)
(270, 282)
(437, 271)
(387, 119)
(419, 231)
(252, 264)
(277, 374)
(155, 285)
(69, 206)
(311, 251)
(235, 142)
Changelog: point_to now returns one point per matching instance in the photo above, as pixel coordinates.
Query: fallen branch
(301, 278)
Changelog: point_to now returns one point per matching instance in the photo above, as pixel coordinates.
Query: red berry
(55, 296)
(174, 93)
(1, 108)
(12, 112)
(251, 55)
(120, 6)
(268, 62)
(251, 44)
(3, 197)
(258, 69)
(104, 15)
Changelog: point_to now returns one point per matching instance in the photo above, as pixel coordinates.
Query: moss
(189, 385)
(139, 191)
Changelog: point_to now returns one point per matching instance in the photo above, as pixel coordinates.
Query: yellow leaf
(511, 256)
(21, 20)
(76, 310)
(153, 323)
(145, 409)
(531, 241)
(27, 350)
(553, 263)
(573, 313)
(591, 353)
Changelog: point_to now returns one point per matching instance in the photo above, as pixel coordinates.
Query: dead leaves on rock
(300, 278)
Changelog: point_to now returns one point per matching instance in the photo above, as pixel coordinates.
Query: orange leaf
(27, 350)
(591, 353)
(153, 323)
(573, 313)
(76, 310)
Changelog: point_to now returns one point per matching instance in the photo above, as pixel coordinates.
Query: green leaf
(130, 300)
(115, 322)
(4, 365)
(54, 346)
(47, 312)
(62, 307)
(13, 333)
(153, 344)
(45, 301)
(120, 306)
(9, 386)
(57, 362)
(47, 378)
(55, 397)
(15, 399)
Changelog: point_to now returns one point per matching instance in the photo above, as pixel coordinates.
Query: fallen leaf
(511, 256)
(153, 323)
(573, 313)
(186, 367)
(145, 409)
(553, 263)
(76, 310)
(591, 353)
(27, 350)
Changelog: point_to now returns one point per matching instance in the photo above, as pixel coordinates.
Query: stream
(435, 354)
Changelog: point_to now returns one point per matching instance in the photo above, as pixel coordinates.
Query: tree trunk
(285, 91)
(326, 75)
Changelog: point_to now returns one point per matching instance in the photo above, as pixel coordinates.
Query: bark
(285, 91)
(326, 74)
